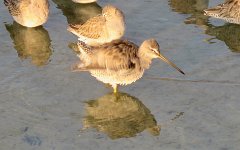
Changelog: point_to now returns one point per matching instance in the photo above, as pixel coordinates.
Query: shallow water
(46, 106)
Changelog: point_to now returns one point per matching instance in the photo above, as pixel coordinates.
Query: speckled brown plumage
(121, 53)
(104, 28)
(12, 7)
(95, 24)
(228, 11)
(119, 62)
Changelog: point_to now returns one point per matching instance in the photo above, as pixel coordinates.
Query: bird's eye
(154, 50)
(107, 15)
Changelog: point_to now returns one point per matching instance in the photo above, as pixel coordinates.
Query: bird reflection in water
(228, 33)
(31, 42)
(193, 7)
(119, 116)
(76, 12)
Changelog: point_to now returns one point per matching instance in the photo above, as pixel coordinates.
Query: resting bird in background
(84, 1)
(29, 13)
(120, 62)
(108, 26)
(228, 11)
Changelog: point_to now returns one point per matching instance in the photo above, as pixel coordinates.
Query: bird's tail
(12, 7)
(83, 47)
(73, 28)
(7, 2)
(219, 11)
(213, 12)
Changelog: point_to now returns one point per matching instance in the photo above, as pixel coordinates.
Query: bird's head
(111, 12)
(150, 49)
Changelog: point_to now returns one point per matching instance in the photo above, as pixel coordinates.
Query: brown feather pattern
(228, 11)
(93, 28)
(12, 6)
(119, 54)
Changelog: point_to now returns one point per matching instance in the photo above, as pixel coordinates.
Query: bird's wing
(93, 28)
(233, 8)
(13, 7)
(117, 55)
(227, 10)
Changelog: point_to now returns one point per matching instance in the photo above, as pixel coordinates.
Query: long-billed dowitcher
(228, 11)
(119, 62)
(84, 1)
(29, 13)
(108, 26)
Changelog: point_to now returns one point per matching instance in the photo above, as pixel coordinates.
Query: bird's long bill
(170, 63)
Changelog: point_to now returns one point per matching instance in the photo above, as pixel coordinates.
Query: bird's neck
(145, 61)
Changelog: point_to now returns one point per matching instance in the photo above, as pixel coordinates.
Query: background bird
(228, 11)
(29, 13)
(120, 62)
(108, 26)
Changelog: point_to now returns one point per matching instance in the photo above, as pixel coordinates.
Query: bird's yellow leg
(115, 88)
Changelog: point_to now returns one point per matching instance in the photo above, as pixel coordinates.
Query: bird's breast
(122, 77)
